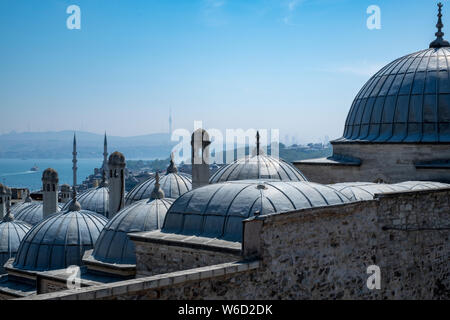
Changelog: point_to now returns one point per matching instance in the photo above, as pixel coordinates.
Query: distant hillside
(58, 145)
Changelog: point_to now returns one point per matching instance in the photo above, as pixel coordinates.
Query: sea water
(16, 173)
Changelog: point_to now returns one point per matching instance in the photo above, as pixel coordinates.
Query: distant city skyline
(289, 65)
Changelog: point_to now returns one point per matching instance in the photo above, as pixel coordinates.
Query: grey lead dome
(95, 200)
(406, 101)
(11, 234)
(113, 244)
(258, 167)
(217, 210)
(59, 241)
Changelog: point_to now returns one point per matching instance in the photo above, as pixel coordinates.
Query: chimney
(116, 167)
(5, 199)
(200, 158)
(50, 192)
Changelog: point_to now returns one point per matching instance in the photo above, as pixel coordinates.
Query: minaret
(5, 199)
(200, 158)
(116, 165)
(74, 205)
(105, 154)
(49, 192)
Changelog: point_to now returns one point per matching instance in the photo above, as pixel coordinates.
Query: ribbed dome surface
(31, 214)
(59, 241)
(95, 200)
(173, 185)
(258, 167)
(15, 209)
(217, 210)
(11, 234)
(406, 101)
(113, 244)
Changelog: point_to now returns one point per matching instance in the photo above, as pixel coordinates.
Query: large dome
(258, 167)
(31, 214)
(95, 200)
(59, 241)
(113, 244)
(407, 101)
(217, 210)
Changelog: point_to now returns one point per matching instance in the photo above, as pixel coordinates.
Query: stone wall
(157, 258)
(390, 163)
(321, 253)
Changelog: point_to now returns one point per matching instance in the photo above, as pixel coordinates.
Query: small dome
(31, 214)
(113, 244)
(258, 167)
(19, 206)
(11, 234)
(95, 200)
(357, 191)
(59, 241)
(116, 159)
(173, 184)
(50, 175)
(217, 210)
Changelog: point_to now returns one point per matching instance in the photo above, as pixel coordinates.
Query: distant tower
(116, 165)
(5, 198)
(50, 182)
(65, 193)
(105, 155)
(200, 158)
(170, 124)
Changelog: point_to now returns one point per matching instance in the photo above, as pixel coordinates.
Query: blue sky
(292, 65)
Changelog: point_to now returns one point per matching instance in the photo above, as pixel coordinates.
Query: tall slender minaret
(74, 205)
(5, 198)
(50, 182)
(105, 154)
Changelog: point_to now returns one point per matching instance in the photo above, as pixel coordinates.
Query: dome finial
(172, 168)
(157, 193)
(439, 42)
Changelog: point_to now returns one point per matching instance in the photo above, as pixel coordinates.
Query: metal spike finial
(439, 42)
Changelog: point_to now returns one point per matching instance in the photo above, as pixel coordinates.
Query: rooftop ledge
(330, 161)
(188, 241)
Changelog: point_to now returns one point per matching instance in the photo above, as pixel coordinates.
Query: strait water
(16, 173)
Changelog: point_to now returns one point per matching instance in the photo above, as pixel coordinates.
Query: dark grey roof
(406, 101)
(356, 191)
(59, 241)
(217, 210)
(173, 185)
(19, 206)
(113, 244)
(95, 200)
(11, 234)
(31, 214)
(258, 167)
